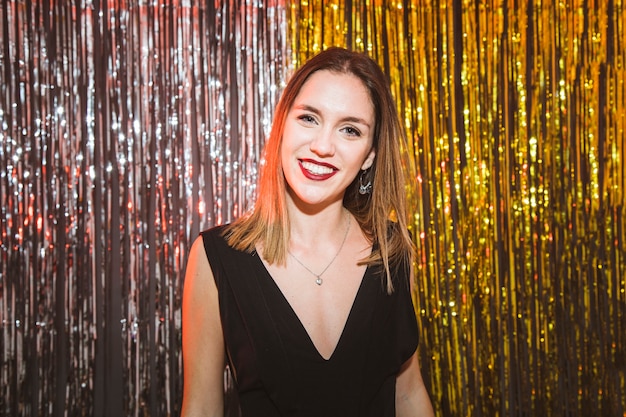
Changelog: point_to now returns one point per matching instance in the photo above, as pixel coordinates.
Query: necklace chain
(318, 277)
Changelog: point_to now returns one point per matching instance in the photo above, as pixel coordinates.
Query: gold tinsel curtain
(128, 126)
(516, 111)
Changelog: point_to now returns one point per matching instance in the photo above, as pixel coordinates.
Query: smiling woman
(342, 344)
(327, 138)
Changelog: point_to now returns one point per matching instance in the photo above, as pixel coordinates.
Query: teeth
(316, 169)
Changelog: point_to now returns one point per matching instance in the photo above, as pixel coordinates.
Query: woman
(307, 297)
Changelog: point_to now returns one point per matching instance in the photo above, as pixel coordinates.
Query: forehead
(336, 91)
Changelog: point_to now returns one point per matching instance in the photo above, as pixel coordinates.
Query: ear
(369, 160)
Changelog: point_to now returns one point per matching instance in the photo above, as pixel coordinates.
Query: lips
(316, 171)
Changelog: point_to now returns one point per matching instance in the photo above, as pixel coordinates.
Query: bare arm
(411, 396)
(203, 342)
(412, 399)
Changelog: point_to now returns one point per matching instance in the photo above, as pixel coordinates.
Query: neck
(312, 229)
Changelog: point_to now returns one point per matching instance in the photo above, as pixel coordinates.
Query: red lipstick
(316, 171)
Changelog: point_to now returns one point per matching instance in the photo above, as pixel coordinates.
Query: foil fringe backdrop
(126, 128)
(517, 115)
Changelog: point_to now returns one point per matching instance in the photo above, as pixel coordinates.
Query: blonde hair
(268, 222)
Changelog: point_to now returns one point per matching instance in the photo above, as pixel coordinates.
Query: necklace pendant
(318, 277)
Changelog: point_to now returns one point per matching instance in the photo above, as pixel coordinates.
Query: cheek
(286, 158)
(294, 141)
(357, 155)
(288, 141)
(285, 151)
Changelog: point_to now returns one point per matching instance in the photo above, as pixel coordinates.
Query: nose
(323, 144)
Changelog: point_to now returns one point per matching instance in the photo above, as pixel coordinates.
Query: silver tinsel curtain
(126, 127)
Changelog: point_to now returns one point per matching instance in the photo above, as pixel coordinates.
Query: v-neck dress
(277, 369)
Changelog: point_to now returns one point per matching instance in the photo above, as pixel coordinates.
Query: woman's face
(327, 138)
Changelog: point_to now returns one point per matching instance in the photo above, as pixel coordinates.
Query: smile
(316, 171)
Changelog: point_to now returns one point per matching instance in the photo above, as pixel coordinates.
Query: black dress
(278, 370)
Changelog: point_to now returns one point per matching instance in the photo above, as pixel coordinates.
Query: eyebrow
(352, 119)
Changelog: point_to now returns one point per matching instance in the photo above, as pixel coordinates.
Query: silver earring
(364, 188)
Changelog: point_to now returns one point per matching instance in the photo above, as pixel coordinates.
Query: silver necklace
(318, 277)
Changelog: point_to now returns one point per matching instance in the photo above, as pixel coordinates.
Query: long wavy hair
(385, 206)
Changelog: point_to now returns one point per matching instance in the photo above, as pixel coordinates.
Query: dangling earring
(364, 188)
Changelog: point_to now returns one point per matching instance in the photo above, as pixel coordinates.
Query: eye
(351, 131)
(306, 118)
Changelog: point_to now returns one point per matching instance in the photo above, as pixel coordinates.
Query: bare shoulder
(199, 285)
(200, 299)
(197, 260)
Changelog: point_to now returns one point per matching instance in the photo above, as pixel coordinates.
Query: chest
(322, 309)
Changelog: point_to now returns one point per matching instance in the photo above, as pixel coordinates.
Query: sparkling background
(128, 126)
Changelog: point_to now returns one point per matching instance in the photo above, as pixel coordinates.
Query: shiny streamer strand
(125, 129)
(516, 117)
